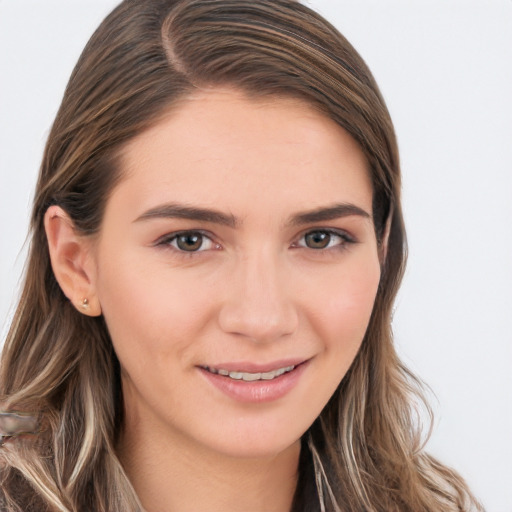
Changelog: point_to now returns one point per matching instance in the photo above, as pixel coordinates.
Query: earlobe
(70, 255)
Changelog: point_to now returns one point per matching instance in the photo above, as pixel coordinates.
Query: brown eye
(317, 239)
(325, 239)
(189, 241)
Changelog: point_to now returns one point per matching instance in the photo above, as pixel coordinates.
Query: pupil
(191, 242)
(317, 240)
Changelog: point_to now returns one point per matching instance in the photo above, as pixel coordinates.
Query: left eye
(323, 239)
(190, 241)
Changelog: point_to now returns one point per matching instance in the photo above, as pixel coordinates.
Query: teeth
(250, 377)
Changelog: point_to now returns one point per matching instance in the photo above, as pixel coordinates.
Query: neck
(172, 474)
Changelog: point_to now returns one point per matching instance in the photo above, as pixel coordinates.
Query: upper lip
(251, 367)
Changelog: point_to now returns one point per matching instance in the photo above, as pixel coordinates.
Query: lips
(253, 383)
(250, 376)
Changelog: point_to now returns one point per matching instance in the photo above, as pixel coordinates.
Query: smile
(249, 382)
(248, 376)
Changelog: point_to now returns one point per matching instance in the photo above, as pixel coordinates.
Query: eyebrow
(182, 211)
(333, 212)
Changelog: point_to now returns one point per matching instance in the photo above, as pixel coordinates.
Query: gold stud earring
(85, 303)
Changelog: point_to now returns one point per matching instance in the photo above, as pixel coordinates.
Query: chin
(253, 443)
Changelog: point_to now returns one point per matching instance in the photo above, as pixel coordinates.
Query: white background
(445, 69)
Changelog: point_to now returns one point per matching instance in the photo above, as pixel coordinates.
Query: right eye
(188, 241)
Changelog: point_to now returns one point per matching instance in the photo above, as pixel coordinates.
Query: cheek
(339, 313)
(343, 310)
(150, 316)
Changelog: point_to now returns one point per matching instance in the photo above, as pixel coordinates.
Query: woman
(217, 243)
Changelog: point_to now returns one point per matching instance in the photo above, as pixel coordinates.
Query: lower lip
(259, 391)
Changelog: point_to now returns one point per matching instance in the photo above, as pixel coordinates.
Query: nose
(258, 304)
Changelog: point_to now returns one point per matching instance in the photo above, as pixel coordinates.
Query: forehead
(220, 148)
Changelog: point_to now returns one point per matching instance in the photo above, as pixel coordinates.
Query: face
(237, 268)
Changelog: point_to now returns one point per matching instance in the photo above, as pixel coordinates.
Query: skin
(253, 292)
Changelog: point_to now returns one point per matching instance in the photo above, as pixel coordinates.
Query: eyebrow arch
(333, 212)
(181, 211)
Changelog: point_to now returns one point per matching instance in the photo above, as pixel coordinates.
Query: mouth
(247, 382)
(250, 376)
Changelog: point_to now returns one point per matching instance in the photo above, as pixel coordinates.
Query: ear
(72, 261)
(385, 237)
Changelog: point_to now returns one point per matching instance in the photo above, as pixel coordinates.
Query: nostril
(260, 323)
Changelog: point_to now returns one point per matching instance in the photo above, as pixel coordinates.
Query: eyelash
(170, 241)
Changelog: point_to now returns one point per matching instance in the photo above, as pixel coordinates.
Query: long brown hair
(365, 451)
